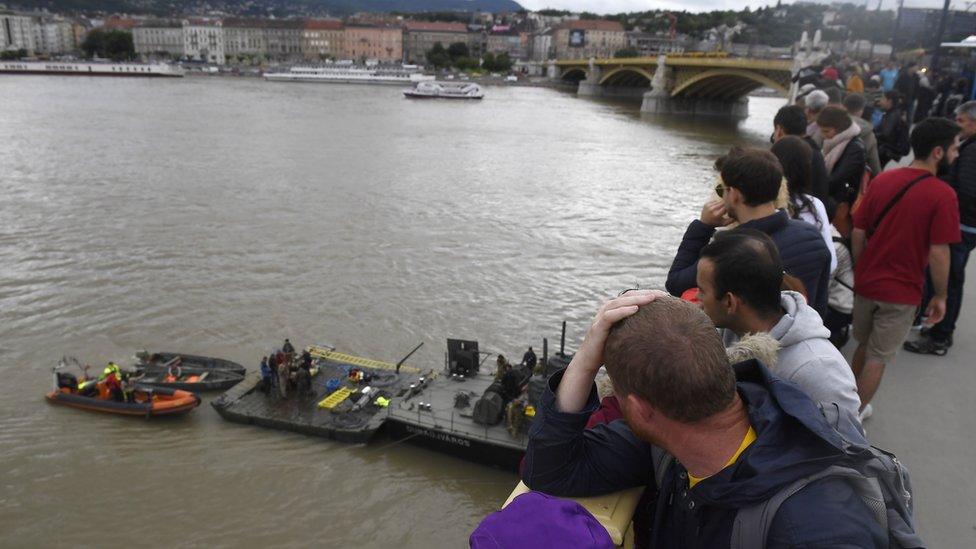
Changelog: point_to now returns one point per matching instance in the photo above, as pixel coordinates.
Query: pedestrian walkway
(925, 412)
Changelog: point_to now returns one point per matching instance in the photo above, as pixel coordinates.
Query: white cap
(817, 100)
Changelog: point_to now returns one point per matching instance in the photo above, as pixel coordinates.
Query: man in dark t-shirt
(907, 220)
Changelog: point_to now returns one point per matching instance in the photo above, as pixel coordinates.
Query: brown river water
(218, 216)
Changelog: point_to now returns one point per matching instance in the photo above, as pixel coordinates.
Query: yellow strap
(323, 352)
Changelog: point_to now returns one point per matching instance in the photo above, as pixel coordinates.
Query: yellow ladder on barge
(329, 354)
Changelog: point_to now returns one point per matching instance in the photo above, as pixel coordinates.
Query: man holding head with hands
(737, 435)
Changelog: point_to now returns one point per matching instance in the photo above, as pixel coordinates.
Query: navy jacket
(962, 177)
(800, 244)
(794, 441)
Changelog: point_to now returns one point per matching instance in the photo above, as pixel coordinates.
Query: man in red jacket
(906, 221)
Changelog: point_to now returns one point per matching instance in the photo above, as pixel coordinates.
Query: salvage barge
(472, 412)
(346, 401)
(465, 408)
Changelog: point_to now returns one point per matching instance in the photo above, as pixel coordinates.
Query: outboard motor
(66, 380)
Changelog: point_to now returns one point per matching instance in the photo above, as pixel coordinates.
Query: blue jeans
(958, 257)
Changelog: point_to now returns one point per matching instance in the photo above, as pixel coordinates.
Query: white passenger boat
(445, 90)
(349, 75)
(90, 68)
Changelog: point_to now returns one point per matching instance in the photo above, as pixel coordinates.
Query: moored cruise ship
(350, 75)
(74, 68)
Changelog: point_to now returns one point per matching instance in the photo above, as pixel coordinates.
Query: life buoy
(175, 372)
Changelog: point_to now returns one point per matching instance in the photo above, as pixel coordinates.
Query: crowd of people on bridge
(732, 402)
(922, 92)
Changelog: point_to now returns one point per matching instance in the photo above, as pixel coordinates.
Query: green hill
(268, 7)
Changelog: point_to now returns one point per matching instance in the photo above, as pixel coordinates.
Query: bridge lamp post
(937, 45)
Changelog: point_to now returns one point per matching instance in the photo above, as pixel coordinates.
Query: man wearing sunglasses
(750, 183)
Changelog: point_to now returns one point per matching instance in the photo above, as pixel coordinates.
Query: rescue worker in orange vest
(112, 378)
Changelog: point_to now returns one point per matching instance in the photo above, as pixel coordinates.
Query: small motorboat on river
(138, 400)
(187, 372)
(445, 90)
(196, 380)
(164, 360)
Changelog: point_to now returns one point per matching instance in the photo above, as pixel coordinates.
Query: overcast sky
(617, 6)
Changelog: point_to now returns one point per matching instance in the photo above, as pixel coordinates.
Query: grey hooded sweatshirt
(807, 358)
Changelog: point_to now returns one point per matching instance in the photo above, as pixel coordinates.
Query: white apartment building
(203, 40)
(541, 46)
(245, 37)
(54, 36)
(17, 32)
(159, 37)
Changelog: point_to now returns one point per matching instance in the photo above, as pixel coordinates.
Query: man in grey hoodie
(739, 279)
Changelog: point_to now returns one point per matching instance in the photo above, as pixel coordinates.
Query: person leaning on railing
(737, 436)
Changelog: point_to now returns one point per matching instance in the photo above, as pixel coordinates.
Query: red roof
(323, 24)
(434, 26)
(120, 23)
(242, 23)
(593, 24)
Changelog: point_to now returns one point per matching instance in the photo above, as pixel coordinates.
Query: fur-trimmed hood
(762, 347)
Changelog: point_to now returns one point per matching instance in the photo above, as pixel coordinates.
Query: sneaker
(927, 346)
(867, 412)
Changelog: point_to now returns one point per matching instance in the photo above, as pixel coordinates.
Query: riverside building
(586, 38)
(244, 38)
(322, 39)
(284, 38)
(17, 33)
(203, 40)
(160, 38)
(420, 36)
(506, 40)
(380, 43)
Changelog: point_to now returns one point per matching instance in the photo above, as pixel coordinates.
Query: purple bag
(536, 520)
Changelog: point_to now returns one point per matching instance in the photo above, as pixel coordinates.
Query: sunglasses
(720, 189)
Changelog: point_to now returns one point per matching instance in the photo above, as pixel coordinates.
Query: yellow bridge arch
(724, 84)
(574, 73)
(627, 75)
(707, 76)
